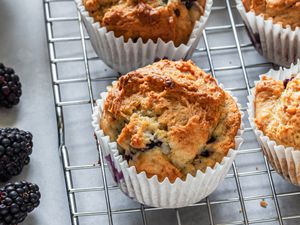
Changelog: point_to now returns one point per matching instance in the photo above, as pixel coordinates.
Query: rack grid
(246, 185)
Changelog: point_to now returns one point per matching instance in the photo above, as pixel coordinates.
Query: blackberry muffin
(274, 115)
(284, 12)
(171, 20)
(273, 28)
(170, 119)
(277, 110)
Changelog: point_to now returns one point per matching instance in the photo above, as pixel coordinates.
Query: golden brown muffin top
(285, 12)
(149, 19)
(277, 110)
(170, 119)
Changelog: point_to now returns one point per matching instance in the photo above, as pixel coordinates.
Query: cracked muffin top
(170, 20)
(170, 119)
(277, 110)
(285, 12)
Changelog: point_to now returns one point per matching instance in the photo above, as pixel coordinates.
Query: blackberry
(153, 143)
(17, 200)
(188, 3)
(286, 81)
(10, 87)
(211, 140)
(15, 148)
(205, 153)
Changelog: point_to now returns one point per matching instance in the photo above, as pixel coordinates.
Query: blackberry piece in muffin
(277, 110)
(170, 119)
(170, 20)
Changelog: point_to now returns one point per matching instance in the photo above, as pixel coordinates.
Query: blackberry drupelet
(17, 200)
(15, 148)
(286, 81)
(188, 3)
(10, 87)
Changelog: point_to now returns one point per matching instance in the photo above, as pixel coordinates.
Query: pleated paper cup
(284, 159)
(127, 56)
(278, 44)
(152, 192)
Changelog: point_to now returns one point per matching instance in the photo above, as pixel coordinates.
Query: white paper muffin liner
(127, 56)
(285, 160)
(150, 191)
(277, 44)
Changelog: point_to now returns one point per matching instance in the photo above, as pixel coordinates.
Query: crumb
(240, 211)
(257, 168)
(263, 203)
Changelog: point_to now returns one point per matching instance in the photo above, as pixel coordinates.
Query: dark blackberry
(17, 200)
(15, 148)
(10, 87)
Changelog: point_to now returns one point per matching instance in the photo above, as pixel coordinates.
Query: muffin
(275, 115)
(273, 27)
(277, 109)
(282, 12)
(129, 34)
(171, 121)
(134, 19)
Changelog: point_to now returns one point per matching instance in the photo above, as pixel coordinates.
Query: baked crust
(148, 19)
(170, 119)
(285, 12)
(277, 110)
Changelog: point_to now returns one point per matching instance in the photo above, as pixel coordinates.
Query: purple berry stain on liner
(254, 38)
(118, 176)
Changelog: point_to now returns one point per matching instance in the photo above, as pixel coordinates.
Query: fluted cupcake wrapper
(285, 160)
(126, 56)
(277, 44)
(150, 191)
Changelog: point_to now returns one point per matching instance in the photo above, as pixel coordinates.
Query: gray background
(23, 46)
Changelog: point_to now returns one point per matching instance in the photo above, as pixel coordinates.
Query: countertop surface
(23, 46)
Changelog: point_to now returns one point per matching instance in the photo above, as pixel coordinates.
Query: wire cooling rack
(252, 193)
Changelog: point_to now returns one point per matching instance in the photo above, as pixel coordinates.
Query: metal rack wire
(209, 205)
